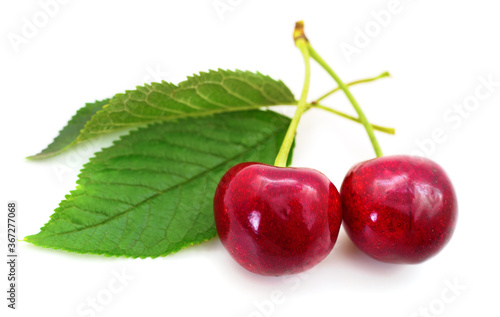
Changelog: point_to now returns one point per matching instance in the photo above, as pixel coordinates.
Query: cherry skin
(399, 209)
(276, 220)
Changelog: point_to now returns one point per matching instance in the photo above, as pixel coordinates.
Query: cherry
(399, 209)
(277, 220)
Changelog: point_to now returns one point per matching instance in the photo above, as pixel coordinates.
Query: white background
(436, 51)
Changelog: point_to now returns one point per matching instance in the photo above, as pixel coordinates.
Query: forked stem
(349, 96)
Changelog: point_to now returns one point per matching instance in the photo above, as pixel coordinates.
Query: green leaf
(151, 193)
(204, 94)
(68, 135)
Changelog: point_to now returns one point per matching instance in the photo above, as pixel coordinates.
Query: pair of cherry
(277, 220)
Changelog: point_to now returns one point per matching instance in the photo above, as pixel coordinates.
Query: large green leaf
(151, 193)
(68, 135)
(201, 95)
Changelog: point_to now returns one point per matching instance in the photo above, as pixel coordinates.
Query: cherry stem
(344, 115)
(361, 81)
(345, 89)
(301, 43)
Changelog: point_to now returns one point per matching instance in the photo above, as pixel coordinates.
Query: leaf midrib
(174, 187)
(90, 135)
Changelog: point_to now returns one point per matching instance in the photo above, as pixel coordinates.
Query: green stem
(349, 96)
(344, 115)
(361, 81)
(301, 43)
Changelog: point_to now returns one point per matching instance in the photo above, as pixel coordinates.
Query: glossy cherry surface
(276, 220)
(399, 209)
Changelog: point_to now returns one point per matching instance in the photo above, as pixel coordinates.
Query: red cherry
(277, 220)
(399, 209)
